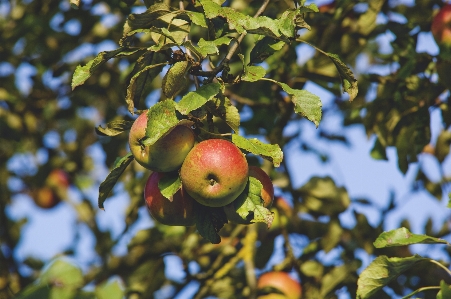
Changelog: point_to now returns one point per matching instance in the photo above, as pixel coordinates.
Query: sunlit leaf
(402, 236)
(271, 152)
(265, 48)
(82, 73)
(249, 203)
(175, 79)
(253, 73)
(197, 98)
(110, 290)
(382, 271)
(305, 103)
(348, 81)
(169, 184)
(223, 108)
(107, 185)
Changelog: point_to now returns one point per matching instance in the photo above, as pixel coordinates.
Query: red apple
(267, 194)
(281, 281)
(54, 189)
(441, 26)
(165, 155)
(179, 211)
(214, 172)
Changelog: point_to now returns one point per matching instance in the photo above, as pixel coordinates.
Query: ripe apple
(179, 211)
(214, 172)
(54, 189)
(46, 198)
(165, 155)
(281, 281)
(267, 194)
(441, 26)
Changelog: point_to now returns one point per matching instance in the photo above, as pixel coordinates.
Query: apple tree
(190, 112)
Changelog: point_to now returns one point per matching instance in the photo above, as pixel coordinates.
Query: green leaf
(305, 103)
(175, 79)
(442, 145)
(110, 290)
(169, 184)
(382, 271)
(209, 221)
(196, 99)
(333, 235)
(253, 73)
(63, 274)
(445, 291)
(146, 68)
(161, 118)
(378, 151)
(240, 22)
(107, 185)
(82, 73)
(271, 152)
(321, 196)
(197, 18)
(250, 201)
(286, 22)
(348, 81)
(147, 19)
(336, 276)
(114, 128)
(449, 202)
(265, 48)
(402, 236)
(223, 108)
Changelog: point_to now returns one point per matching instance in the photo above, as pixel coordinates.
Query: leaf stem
(420, 290)
(441, 266)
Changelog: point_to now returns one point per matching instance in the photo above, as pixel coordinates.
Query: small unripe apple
(267, 194)
(214, 172)
(281, 281)
(441, 26)
(179, 211)
(165, 155)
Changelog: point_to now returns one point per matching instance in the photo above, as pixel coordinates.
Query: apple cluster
(213, 173)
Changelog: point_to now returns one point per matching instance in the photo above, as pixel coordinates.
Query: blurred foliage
(44, 126)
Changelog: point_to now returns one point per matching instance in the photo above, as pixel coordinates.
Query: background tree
(73, 76)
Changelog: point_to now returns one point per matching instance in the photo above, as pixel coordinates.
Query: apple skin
(179, 212)
(46, 198)
(441, 26)
(281, 281)
(54, 189)
(165, 155)
(267, 194)
(214, 172)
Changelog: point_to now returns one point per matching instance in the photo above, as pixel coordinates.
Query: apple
(179, 211)
(54, 189)
(267, 194)
(441, 26)
(281, 281)
(165, 155)
(46, 198)
(214, 172)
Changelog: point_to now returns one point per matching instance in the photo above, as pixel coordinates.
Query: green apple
(281, 281)
(267, 195)
(441, 26)
(179, 211)
(165, 155)
(214, 172)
